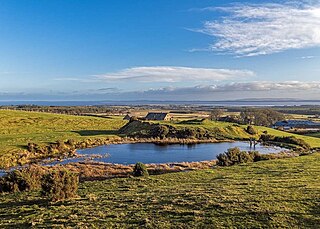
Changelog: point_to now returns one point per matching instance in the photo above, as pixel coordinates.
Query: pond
(154, 153)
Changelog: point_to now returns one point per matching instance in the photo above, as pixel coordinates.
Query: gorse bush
(25, 179)
(14, 181)
(140, 170)
(160, 131)
(60, 185)
(251, 130)
(236, 156)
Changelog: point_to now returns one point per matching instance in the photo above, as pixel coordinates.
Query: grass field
(18, 128)
(267, 194)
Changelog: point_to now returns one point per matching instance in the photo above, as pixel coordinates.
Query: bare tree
(216, 114)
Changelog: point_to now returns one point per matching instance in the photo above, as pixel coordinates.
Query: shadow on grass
(39, 202)
(96, 132)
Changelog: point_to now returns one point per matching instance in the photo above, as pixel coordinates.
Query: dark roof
(297, 123)
(156, 116)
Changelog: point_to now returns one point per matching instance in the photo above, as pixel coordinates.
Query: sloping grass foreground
(268, 194)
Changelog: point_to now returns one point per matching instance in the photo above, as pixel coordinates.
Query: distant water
(153, 153)
(142, 102)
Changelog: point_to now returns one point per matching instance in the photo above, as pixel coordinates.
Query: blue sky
(167, 50)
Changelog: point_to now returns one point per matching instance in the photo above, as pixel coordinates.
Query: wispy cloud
(307, 57)
(67, 79)
(75, 79)
(175, 74)
(260, 29)
(108, 89)
(249, 86)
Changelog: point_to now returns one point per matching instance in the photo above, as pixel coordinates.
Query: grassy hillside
(316, 135)
(232, 131)
(17, 128)
(267, 194)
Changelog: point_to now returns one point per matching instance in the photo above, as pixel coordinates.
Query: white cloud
(175, 74)
(67, 79)
(259, 29)
(307, 57)
(256, 86)
(229, 91)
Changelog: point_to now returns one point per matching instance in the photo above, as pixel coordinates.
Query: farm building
(158, 116)
(296, 124)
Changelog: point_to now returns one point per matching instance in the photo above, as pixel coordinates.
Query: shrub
(251, 130)
(235, 156)
(60, 185)
(26, 179)
(160, 131)
(140, 170)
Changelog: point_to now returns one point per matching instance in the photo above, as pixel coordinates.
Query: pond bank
(35, 153)
(90, 171)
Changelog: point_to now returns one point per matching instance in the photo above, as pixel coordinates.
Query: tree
(260, 117)
(216, 114)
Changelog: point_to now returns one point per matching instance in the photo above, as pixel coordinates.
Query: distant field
(17, 128)
(267, 194)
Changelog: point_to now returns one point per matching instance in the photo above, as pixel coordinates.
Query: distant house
(296, 124)
(127, 117)
(157, 116)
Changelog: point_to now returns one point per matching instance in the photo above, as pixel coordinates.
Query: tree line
(249, 116)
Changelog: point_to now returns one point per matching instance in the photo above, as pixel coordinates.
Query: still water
(153, 153)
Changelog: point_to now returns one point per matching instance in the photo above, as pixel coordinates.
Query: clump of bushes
(161, 131)
(251, 130)
(140, 170)
(60, 185)
(141, 129)
(235, 156)
(56, 185)
(26, 179)
(292, 140)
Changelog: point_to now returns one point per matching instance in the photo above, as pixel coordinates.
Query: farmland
(273, 193)
(18, 128)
